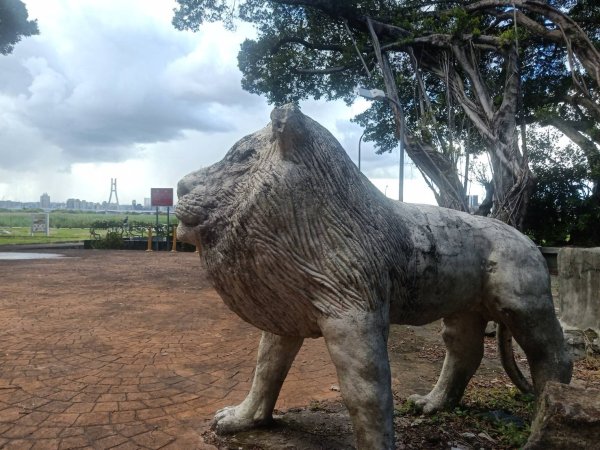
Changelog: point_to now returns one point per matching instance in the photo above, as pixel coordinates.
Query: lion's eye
(246, 154)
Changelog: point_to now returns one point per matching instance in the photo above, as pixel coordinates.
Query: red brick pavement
(126, 350)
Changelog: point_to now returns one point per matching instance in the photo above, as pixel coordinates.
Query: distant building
(74, 203)
(147, 204)
(45, 201)
(9, 204)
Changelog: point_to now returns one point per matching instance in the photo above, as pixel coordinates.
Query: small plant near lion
(406, 408)
(113, 240)
(488, 417)
(315, 405)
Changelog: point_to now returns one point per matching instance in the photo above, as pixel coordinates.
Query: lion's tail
(505, 349)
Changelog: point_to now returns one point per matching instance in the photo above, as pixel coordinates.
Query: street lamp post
(401, 173)
(378, 94)
(359, 141)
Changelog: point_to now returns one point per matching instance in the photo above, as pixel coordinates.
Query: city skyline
(48, 192)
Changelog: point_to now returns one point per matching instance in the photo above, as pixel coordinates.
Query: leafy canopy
(14, 24)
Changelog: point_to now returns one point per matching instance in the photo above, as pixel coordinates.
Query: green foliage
(14, 24)
(406, 408)
(461, 22)
(304, 50)
(72, 226)
(112, 240)
(128, 229)
(502, 413)
(79, 219)
(562, 210)
(22, 235)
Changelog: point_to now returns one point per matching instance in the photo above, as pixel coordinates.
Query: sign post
(162, 197)
(40, 223)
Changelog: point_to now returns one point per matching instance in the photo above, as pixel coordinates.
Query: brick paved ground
(124, 350)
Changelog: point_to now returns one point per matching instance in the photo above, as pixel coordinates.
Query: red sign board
(161, 196)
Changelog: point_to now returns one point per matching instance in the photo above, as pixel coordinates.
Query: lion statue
(300, 244)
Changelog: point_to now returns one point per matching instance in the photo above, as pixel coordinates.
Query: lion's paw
(231, 420)
(427, 404)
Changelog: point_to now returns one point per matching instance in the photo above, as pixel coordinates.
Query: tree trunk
(512, 181)
(440, 170)
(436, 167)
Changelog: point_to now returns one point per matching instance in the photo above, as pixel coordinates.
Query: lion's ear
(288, 127)
(285, 111)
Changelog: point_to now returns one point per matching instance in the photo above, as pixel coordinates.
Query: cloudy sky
(109, 89)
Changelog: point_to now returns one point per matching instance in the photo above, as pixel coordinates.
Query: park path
(127, 350)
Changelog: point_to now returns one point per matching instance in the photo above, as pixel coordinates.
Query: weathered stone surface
(324, 428)
(567, 417)
(300, 244)
(582, 343)
(579, 287)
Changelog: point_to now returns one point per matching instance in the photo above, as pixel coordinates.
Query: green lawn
(66, 226)
(72, 219)
(22, 235)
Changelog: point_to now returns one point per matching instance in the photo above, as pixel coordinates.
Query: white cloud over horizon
(110, 89)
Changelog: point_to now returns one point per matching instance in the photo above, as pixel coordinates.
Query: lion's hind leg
(538, 332)
(463, 335)
(522, 300)
(275, 357)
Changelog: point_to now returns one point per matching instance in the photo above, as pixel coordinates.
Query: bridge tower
(113, 189)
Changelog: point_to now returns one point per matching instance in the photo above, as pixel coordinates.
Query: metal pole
(149, 248)
(401, 174)
(168, 230)
(359, 141)
(174, 245)
(157, 228)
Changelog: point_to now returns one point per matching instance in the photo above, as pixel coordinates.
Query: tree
(562, 210)
(451, 69)
(14, 24)
(562, 90)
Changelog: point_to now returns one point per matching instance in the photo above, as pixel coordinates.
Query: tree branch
(314, 46)
(481, 91)
(572, 33)
(327, 71)
(591, 151)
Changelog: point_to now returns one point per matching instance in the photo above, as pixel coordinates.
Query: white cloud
(110, 89)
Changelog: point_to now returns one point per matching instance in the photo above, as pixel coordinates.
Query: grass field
(65, 226)
(22, 235)
(72, 219)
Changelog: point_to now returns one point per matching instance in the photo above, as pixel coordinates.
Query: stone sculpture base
(579, 287)
(567, 417)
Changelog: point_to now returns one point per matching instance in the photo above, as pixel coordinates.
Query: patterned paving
(126, 350)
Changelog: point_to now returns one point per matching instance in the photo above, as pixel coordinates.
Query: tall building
(74, 203)
(45, 201)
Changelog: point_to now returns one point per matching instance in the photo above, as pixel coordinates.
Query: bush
(113, 240)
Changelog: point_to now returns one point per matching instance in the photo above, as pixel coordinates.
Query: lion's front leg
(357, 344)
(275, 357)
(463, 335)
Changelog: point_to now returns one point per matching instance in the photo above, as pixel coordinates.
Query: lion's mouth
(191, 216)
(187, 234)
